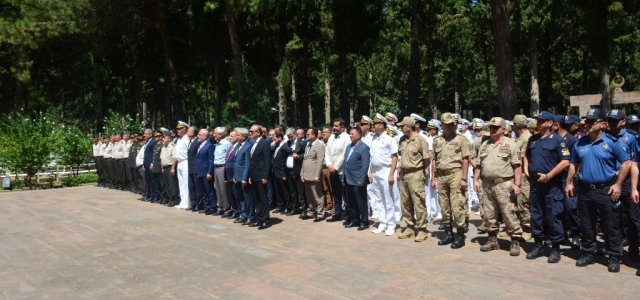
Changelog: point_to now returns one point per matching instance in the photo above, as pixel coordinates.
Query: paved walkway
(95, 243)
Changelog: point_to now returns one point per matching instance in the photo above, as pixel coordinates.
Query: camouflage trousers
(451, 199)
(412, 196)
(498, 197)
(523, 204)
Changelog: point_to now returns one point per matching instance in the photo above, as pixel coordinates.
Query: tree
(504, 58)
(72, 147)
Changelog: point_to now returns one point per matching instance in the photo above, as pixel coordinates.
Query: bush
(80, 179)
(17, 184)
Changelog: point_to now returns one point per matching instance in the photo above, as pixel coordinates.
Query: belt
(411, 170)
(219, 166)
(167, 166)
(378, 168)
(496, 180)
(447, 172)
(598, 185)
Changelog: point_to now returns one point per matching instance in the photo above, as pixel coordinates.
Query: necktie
(230, 151)
(239, 147)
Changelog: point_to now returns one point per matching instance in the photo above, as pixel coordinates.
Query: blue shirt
(545, 153)
(598, 159)
(220, 154)
(627, 140)
(568, 141)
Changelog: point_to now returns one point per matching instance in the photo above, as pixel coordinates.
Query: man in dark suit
(356, 168)
(152, 182)
(260, 170)
(191, 161)
(204, 167)
(241, 176)
(232, 192)
(294, 167)
(280, 176)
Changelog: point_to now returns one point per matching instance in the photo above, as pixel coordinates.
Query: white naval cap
(182, 124)
(418, 118)
(380, 118)
(391, 117)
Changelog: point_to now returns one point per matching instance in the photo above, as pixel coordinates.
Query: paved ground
(95, 243)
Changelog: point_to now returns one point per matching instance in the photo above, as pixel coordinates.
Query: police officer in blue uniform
(629, 217)
(633, 125)
(547, 156)
(571, 219)
(599, 187)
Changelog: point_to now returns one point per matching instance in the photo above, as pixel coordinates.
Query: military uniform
(118, 160)
(131, 164)
(97, 158)
(523, 199)
(450, 155)
(475, 151)
(166, 160)
(414, 151)
(497, 162)
(127, 179)
(156, 170)
(383, 148)
(107, 154)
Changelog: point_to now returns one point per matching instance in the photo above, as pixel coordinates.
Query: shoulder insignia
(625, 139)
(613, 138)
(605, 146)
(565, 152)
(563, 145)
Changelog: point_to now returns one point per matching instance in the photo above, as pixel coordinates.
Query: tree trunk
(533, 67)
(344, 103)
(99, 108)
(294, 99)
(456, 102)
(327, 88)
(354, 106)
(21, 96)
(167, 103)
(282, 99)
(170, 67)
(216, 84)
(416, 57)
(605, 104)
(237, 54)
(504, 58)
(431, 82)
(305, 114)
(372, 96)
(139, 94)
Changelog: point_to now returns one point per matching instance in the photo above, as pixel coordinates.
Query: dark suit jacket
(204, 162)
(356, 168)
(261, 161)
(300, 149)
(229, 164)
(280, 161)
(243, 162)
(148, 153)
(192, 156)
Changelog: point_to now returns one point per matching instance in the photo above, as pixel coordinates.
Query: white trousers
(384, 197)
(431, 199)
(472, 196)
(371, 200)
(396, 197)
(183, 184)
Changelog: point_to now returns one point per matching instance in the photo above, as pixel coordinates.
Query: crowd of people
(551, 180)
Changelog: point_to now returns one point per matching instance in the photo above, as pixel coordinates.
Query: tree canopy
(302, 62)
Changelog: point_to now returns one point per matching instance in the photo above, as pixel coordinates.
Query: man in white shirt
(97, 158)
(142, 180)
(384, 158)
(334, 159)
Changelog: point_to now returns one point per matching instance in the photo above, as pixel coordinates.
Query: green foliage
(116, 121)
(80, 179)
(27, 143)
(17, 185)
(72, 147)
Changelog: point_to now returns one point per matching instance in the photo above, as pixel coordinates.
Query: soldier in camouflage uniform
(499, 165)
(451, 161)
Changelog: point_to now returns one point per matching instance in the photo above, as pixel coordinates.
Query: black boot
(466, 225)
(459, 241)
(448, 238)
(537, 251)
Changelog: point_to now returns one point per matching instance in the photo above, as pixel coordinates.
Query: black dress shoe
(203, 211)
(265, 225)
(255, 224)
(575, 243)
(235, 216)
(334, 218)
(537, 251)
(352, 224)
(585, 260)
(554, 256)
(208, 213)
(219, 212)
(614, 264)
(363, 227)
(304, 217)
(246, 222)
(239, 220)
(292, 212)
(316, 219)
(625, 242)
(277, 210)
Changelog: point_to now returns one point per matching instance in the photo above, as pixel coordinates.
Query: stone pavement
(95, 243)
